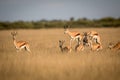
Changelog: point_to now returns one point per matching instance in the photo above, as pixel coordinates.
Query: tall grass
(46, 62)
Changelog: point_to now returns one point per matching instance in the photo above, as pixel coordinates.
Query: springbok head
(14, 34)
(111, 44)
(66, 29)
(61, 42)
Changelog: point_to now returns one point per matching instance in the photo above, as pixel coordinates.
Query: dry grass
(46, 62)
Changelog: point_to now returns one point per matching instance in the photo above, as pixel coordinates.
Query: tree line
(79, 23)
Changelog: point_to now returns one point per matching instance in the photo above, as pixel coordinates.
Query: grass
(46, 62)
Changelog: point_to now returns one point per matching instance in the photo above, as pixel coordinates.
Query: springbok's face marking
(111, 45)
(61, 43)
(65, 31)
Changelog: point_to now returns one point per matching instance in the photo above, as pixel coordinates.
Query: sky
(33, 10)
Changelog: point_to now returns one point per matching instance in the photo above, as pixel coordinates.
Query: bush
(80, 23)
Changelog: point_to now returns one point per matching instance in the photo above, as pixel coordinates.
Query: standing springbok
(94, 36)
(64, 49)
(114, 47)
(95, 46)
(20, 44)
(79, 46)
(86, 39)
(73, 35)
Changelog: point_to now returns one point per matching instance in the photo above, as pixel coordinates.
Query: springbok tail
(28, 48)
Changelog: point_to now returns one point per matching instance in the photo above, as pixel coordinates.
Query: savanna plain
(47, 62)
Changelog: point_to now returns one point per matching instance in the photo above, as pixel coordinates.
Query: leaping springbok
(73, 35)
(20, 44)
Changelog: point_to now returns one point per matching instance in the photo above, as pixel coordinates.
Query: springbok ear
(111, 43)
(85, 33)
(65, 26)
(59, 40)
(14, 33)
(88, 33)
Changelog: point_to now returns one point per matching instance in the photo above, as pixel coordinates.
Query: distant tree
(72, 19)
(105, 19)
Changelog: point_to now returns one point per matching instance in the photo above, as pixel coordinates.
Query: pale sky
(32, 10)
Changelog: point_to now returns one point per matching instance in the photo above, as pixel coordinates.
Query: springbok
(73, 35)
(79, 47)
(64, 49)
(94, 36)
(114, 47)
(20, 44)
(86, 40)
(95, 46)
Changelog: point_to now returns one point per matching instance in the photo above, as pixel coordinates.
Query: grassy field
(46, 62)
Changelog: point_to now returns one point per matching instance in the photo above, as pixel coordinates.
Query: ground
(47, 62)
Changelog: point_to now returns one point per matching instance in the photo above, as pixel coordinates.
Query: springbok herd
(90, 39)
